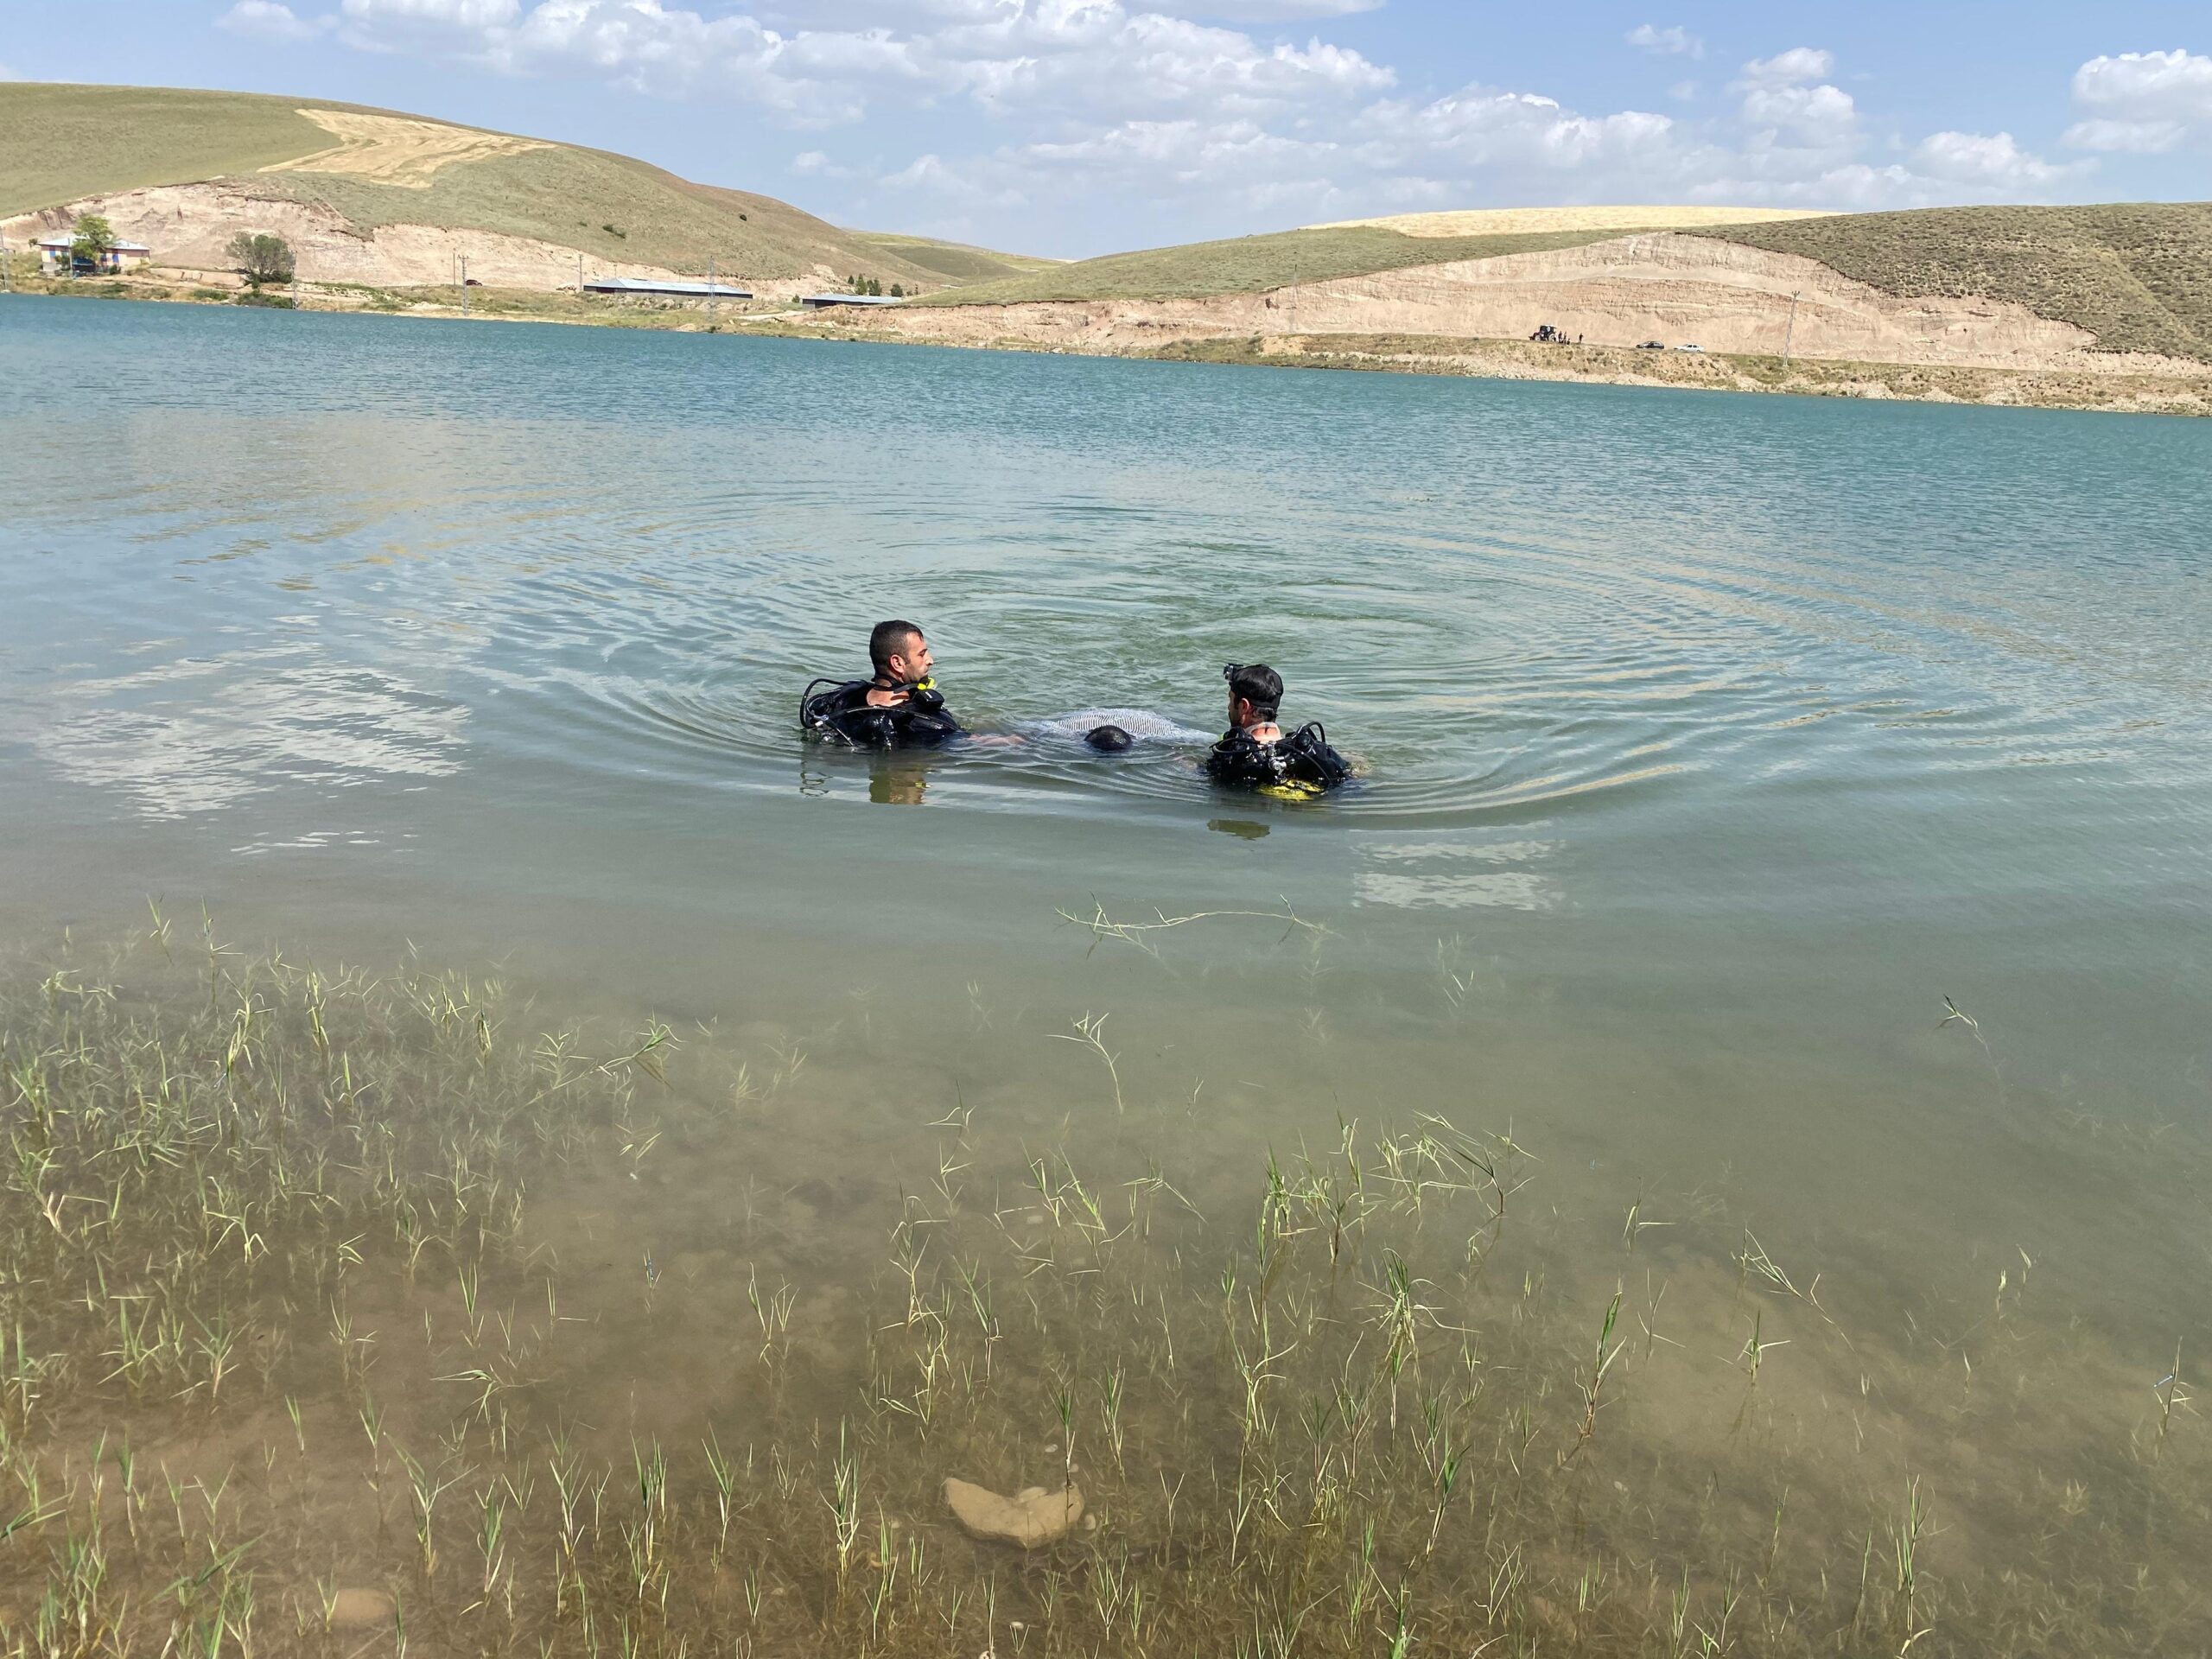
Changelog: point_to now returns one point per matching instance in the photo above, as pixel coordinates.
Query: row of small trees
(872, 285)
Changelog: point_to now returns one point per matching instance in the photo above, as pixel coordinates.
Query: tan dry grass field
(1526, 221)
(396, 150)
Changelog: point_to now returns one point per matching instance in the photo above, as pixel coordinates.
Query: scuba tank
(1302, 763)
(843, 714)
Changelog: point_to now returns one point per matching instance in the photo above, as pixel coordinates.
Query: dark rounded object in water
(1107, 740)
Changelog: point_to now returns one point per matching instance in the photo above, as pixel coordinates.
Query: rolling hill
(2135, 274)
(325, 173)
(1941, 285)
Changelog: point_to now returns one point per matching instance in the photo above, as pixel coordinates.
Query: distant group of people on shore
(899, 706)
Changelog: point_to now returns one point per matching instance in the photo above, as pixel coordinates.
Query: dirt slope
(2137, 275)
(1720, 294)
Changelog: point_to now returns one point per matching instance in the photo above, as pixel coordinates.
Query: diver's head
(901, 656)
(1107, 740)
(1254, 694)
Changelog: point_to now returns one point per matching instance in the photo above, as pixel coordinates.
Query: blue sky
(1072, 127)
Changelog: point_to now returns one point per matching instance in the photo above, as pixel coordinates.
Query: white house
(53, 256)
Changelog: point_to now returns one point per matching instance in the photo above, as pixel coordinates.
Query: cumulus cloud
(1993, 161)
(1796, 65)
(1789, 102)
(1267, 11)
(1052, 57)
(2142, 102)
(444, 14)
(1674, 42)
(267, 20)
(1197, 117)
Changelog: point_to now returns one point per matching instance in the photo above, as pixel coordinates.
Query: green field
(1254, 264)
(955, 262)
(2135, 274)
(66, 142)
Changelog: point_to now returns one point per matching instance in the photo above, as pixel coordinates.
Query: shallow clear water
(1711, 741)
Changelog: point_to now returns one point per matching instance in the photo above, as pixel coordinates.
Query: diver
(1254, 753)
(899, 708)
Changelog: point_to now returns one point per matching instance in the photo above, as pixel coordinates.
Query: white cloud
(2129, 137)
(268, 20)
(1047, 58)
(1790, 68)
(1671, 42)
(1267, 11)
(1789, 102)
(1818, 118)
(444, 14)
(1145, 121)
(2144, 102)
(1993, 161)
(1478, 128)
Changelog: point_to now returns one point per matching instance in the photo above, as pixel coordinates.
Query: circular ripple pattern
(624, 557)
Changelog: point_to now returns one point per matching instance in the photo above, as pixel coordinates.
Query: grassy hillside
(1254, 264)
(955, 262)
(66, 142)
(2135, 274)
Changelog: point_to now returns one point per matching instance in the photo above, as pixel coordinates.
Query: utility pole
(7, 276)
(710, 293)
(1791, 333)
(579, 278)
(464, 287)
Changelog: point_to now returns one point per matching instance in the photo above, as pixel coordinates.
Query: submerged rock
(357, 1609)
(1031, 1517)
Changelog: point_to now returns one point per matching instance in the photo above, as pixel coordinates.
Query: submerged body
(1142, 725)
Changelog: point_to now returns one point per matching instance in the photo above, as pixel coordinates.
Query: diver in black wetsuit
(1254, 753)
(898, 709)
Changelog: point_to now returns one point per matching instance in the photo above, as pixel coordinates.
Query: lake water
(1711, 742)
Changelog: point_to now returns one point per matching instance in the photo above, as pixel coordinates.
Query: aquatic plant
(343, 1312)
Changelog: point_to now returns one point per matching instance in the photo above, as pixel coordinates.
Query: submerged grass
(347, 1313)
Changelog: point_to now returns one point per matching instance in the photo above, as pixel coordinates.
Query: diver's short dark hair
(1257, 683)
(1107, 740)
(888, 639)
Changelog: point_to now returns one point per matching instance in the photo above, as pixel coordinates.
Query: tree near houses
(262, 257)
(92, 240)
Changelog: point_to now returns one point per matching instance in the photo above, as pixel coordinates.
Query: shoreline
(2118, 391)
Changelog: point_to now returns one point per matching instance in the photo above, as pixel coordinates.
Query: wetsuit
(1302, 763)
(843, 713)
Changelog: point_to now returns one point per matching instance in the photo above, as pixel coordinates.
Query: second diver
(1254, 753)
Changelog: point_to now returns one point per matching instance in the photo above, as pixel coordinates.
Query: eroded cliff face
(188, 227)
(1677, 288)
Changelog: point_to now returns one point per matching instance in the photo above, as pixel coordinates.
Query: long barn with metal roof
(669, 290)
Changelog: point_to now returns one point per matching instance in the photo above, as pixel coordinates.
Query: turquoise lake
(1710, 743)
